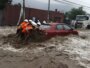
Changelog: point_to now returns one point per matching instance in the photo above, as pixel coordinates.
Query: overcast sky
(63, 7)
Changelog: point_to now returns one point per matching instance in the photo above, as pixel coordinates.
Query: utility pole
(48, 18)
(22, 12)
(23, 9)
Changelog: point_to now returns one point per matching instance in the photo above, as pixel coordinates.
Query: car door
(60, 30)
(67, 29)
(52, 31)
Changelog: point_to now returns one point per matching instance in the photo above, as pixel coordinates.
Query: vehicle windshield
(81, 18)
(66, 27)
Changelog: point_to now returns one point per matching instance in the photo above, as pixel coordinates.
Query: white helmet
(32, 22)
(38, 22)
(44, 22)
(26, 20)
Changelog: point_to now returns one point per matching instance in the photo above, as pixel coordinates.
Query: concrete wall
(11, 14)
(1, 17)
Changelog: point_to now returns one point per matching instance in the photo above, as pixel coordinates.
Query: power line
(76, 3)
(62, 2)
(69, 2)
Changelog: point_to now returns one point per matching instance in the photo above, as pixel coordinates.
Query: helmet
(26, 20)
(38, 23)
(44, 22)
(32, 22)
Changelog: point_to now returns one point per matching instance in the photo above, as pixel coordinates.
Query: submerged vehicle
(82, 21)
(57, 29)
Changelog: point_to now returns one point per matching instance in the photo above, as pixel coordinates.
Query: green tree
(2, 3)
(72, 14)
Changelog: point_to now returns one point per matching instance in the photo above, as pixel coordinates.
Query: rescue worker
(33, 31)
(28, 31)
(38, 23)
(21, 27)
(44, 22)
(24, 29)
(33, 23)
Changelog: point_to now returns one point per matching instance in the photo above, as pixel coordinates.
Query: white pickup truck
(82, 21)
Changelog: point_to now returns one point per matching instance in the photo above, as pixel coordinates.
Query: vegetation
(72, 14)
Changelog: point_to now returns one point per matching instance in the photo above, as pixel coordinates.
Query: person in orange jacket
(21, 26)
(27, 27)
(24, 28)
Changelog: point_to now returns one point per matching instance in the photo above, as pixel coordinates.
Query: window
(66, 27)
(59, 27)
(82, 18)
(45, 27)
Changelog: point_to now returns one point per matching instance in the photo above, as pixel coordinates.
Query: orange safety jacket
(24, 25)
(27, 28)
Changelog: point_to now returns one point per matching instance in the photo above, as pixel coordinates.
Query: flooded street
(59, 52)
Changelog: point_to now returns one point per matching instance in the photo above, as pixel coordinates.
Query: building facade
(12, 12)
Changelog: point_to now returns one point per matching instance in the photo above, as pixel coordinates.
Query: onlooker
(44, 22)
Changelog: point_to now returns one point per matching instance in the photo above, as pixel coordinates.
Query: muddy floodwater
(59, 52)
